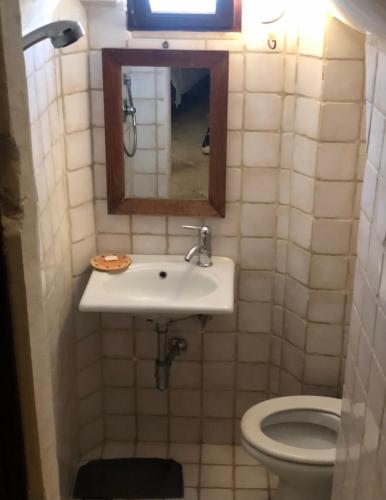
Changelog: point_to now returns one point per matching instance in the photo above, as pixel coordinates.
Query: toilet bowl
(295, 438)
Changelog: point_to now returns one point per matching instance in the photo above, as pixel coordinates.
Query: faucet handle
(203, 229)
(192, 227)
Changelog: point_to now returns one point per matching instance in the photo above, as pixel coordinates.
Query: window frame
(226, 18)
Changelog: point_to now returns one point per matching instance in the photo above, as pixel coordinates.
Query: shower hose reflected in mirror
(129, 119)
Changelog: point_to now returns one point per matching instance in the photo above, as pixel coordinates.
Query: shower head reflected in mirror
(61, 34)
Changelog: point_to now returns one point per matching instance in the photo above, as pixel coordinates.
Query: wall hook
(272, 43)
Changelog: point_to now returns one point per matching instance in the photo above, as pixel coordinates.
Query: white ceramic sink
(163, 284)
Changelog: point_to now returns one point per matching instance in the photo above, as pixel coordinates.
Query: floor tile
(211, 472)
(216, 454)
(190, 494)
(247, 476)
(185, 453)
(216, 494)
(93, 454)
(243, 458)
(273, 480)
(118, 449)
(251, 495)
(191, 475)
(216, 476)
(151, 450)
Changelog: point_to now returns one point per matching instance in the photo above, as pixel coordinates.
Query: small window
(187, 15)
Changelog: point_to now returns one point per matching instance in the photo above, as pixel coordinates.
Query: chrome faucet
(204, 248)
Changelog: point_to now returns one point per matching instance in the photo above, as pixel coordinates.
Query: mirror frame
(218, 64)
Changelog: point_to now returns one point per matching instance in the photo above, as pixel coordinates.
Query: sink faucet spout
(192, 252)
(204, 248)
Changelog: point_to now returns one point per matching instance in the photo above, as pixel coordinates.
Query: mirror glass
(165, 121)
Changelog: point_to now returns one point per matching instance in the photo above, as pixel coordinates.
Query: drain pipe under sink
(167, 352)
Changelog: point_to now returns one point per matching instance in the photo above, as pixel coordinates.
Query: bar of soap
(110, 258)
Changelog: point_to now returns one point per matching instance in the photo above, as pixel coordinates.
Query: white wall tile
(256, 253)
(299, 263)
(149, 244)
(106, 223)
(343, 81)
(305, 154)
(344, 42)
(97, 109)
(311, 36)
(82, 221)
(326, 306)
(337, 161)
(235, 111)
(96, 78)
(261, 149)
(376, 139)
(309, 77)
(113, 243)
(82, 252)
(264, 72)
(331, 236)
(145, 224)
(78, 149)
(340, 121)
(307, 117)
(258, 219)
(300, 228)
(106, 27)
(328, 272)
(80, 186)
(259, 186)
(302, 192)
(262, 111)
(236, 72)
(334, 199)
(369, 190)
(234, 149)
(229, 226)
(77, 112)
(75, 73)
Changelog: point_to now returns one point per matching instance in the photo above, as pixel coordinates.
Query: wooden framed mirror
(166, 131)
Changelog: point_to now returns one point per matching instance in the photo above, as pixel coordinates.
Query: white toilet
(295, 438)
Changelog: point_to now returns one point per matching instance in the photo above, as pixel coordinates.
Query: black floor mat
(129, 478)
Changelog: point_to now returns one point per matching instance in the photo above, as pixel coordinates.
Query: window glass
(189, 15)
(183, 6)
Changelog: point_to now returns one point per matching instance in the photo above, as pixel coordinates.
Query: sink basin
(163, 284)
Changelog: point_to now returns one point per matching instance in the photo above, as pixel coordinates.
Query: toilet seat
(254, 435)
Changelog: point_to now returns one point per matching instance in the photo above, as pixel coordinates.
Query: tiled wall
(61, 147)
(55, 246)
(320, 185)
(360, 471)
(295, 158)
(147, 173)
(293, 183)
(226, 367)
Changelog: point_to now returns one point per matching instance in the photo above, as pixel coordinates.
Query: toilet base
(297, 481)
(288, 491)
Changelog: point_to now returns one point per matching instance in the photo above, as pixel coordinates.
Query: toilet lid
(252, 428)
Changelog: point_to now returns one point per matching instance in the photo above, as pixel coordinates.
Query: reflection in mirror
(166, 132)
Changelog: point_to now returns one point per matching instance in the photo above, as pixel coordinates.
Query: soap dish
(110, 262)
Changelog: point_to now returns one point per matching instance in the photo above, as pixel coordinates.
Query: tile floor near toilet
(211, 472)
